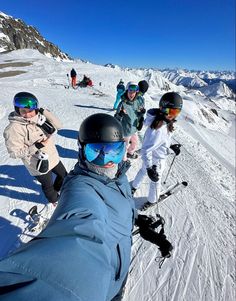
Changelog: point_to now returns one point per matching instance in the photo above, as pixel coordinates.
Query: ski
(97, 92)
(36, 222)
(39, 221)
(172, 190)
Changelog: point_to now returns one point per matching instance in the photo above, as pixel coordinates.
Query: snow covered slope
(200, 221)
(219, 89)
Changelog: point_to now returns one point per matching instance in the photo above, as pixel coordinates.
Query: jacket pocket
(119, 263)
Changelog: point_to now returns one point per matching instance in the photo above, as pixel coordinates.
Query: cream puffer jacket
(22, 134)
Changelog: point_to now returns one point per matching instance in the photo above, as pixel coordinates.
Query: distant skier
(29, 137)
(156, 144)
(73, 75)
(120, 88)
(84, 251)
(129, 111)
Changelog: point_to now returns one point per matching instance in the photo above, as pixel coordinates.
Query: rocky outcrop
(15, 34)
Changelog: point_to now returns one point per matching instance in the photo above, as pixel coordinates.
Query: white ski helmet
(131, 84)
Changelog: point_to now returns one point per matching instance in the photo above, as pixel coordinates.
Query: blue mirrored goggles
(28, 103)
(133, 88)
(103, 153)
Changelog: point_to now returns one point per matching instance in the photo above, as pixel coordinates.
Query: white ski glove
(42, 164)
(45, 125)
(42, 155)
(41, 119)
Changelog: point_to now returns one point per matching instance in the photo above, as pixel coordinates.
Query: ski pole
(68, 79)
(169, 169)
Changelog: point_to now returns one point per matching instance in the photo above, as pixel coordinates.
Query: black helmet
(25, 100)
(100, 128)
(143, 86)
(171, 100)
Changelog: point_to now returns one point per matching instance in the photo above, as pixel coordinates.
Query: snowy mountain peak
(15, 34)
(219, 89)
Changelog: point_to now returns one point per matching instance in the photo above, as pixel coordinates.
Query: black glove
(144, 221)
(140, 123)
(42, 164)
(142, 111)
(147, 231)
(41, 110)
(152, 173)
(176, 148)
(39, 145)
(121, 113)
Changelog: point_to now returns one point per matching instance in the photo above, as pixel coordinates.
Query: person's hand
(140, 123)
(41, 110)
(144, 221)
(147, 232)
(44, 124)
(176, 148)
(41, 119)
(122, 112)
(142, 111)
(44, 142)
(152, 173)
(42, 164)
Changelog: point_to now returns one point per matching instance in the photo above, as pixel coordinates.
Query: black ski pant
(49, 187)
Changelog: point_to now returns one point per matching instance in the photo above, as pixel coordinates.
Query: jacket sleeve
(15, 144)
(53, 119)
(152, 141)
(118, 115)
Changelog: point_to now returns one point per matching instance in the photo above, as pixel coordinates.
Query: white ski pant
(154, 187)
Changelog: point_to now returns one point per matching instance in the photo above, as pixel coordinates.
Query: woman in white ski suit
(156, 144)
(154, 151)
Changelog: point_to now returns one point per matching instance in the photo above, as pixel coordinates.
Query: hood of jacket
(151, 115)
(158, 115)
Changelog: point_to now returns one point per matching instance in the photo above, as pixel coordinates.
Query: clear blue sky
(148, 33)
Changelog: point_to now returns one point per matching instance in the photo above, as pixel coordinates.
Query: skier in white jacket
(157, 144)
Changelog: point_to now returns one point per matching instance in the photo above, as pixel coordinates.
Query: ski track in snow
(200, 220)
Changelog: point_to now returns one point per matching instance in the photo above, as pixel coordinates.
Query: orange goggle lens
(171, 111)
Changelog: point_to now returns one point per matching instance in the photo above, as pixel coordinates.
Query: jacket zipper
(120, 263)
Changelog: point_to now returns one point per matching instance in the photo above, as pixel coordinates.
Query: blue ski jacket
(84, 252)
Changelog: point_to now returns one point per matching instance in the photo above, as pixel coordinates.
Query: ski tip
(185, 183)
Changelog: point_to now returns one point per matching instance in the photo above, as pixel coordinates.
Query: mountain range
(15, 34)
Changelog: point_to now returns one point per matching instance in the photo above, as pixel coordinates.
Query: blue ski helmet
(25, 100)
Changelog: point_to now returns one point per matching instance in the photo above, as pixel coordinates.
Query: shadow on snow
(17, 176)
(93, 107)
(68, 133)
